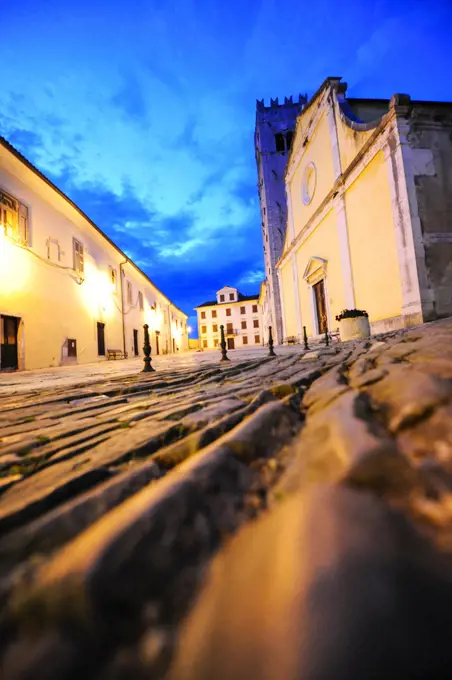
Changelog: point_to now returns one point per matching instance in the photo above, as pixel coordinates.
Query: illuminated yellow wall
(350, 141)
(50, 300)
(318, 150)
(288, 294)
(372, 242)
(323, 243)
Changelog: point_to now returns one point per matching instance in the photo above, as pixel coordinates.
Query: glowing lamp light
(189, 329)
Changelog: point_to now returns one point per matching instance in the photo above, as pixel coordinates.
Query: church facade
(369, 213)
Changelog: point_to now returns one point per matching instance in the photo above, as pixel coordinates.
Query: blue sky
(143, 112)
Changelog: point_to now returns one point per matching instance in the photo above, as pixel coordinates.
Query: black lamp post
(147, 351)
(224, 356)
(271, 352)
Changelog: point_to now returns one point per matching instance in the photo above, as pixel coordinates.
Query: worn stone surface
(116, 493)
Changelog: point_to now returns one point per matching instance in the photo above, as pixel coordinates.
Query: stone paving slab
(117, 489)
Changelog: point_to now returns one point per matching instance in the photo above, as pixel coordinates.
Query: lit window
(140, 300)
(203, 329)
(129, 292)
(79, 256)
(13, 218)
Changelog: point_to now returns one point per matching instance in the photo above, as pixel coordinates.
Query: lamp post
(224, 356)
(147, 351)
(305, 339)
(271, 352)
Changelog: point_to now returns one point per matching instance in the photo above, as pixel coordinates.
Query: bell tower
(275, 126)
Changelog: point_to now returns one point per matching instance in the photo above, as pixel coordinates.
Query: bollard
(271, 352)
(305, 339)
(224, 356)
(327, 339)
(147, 351)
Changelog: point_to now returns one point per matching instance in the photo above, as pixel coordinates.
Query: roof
(9, 147)
(241, 298)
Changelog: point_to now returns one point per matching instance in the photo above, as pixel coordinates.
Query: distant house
(240, 315)
(68, 294)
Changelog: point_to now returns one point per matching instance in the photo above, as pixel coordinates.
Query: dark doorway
(320, 306)
(174, 346)
(135, 342)
(101, 339)
(231, 343)
(157, 346)
(8, 349)
(72, 347)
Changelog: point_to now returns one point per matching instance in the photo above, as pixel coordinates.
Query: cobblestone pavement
(333, 468)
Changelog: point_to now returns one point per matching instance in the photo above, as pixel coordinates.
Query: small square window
(242, 310)
(254, 309)
(257, 339)
(214, 313)
(243, 324)
(203, 315)
(245, 340)
(228, 312)
(256, 323)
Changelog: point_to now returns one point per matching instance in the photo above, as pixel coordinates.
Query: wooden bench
(116, 354)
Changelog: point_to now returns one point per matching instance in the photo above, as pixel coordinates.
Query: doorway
(320, 306)
(9, 326)
(100, 339)
(174, 346)
(135, 341)
(231, 343)
(157, 346)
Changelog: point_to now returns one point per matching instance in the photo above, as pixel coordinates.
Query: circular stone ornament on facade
(309, 183)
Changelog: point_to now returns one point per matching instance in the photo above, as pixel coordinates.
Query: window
(279, 139)
(79, 258)
(53, 249)
(254, 309)
(214, 313)
(231, 296)
(245, 340)
(228, 312)
(215, 343)
(203, 315)
(243, 324)
(289, 138)
(129, 292)
(215, 328)
(257, 339)
(13, 218)
(229, 328)
(71, 347)
(256, 323)
(242, 310)
(203, 329)
(140, 300)
(204, 343)
(221, 298)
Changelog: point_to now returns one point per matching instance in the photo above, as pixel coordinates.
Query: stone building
(68, 294)
(272, 141)
(239, 314)
(369, 195)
